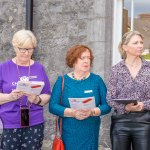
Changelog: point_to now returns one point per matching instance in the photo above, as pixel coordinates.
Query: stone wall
(59, 24)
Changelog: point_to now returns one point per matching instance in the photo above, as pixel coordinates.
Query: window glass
(141, 20)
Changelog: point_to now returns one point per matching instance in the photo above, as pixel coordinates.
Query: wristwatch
(40, 100)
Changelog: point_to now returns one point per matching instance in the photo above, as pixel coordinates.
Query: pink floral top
(122, 86)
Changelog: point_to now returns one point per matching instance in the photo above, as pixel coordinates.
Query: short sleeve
(47, 88)
(1, 79)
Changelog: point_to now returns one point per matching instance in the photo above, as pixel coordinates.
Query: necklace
(73, 76)
(20, 79)
(19, 71)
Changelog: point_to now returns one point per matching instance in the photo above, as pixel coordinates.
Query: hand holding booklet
(34, 87)
(125, 101)
(82, 103)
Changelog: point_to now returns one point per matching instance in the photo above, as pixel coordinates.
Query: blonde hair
(125, 40)
(23, 38)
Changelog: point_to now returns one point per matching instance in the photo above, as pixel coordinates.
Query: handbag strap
(60, 125)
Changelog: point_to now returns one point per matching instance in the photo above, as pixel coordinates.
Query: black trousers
(131, 131)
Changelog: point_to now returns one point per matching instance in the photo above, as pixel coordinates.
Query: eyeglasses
(23, 50)
(85, 57)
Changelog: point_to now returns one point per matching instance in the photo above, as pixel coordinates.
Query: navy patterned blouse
(122, 86)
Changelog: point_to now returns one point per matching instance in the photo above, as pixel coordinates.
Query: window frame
(118, 27)
(117, 30)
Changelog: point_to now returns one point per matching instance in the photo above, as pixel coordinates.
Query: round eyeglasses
(85, 57)
(23, 50)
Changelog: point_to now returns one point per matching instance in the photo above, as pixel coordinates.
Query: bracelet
(93, 112)
(40, 100)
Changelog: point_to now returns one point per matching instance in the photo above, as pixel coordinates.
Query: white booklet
(82, 103)
(30, 86)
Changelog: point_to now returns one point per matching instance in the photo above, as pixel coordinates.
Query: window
(135, 15)
(117, 30)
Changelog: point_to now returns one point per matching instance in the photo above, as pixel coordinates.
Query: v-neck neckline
(134, 78)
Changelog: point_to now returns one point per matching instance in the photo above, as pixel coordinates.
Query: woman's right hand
(15, 94)
(81, 114)
(132, 107)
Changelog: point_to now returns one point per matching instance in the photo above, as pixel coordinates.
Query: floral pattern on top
(121, 85)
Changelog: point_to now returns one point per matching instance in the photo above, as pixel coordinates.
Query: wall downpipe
(29, 15)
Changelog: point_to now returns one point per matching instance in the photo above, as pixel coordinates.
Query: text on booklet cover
(34, 87)
(82, 103)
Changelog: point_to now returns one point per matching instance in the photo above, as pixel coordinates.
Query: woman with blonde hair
(21, 111)
(129, 94)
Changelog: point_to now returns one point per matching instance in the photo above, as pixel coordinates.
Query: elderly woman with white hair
(22, 111)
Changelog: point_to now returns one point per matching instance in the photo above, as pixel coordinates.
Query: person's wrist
(10, 97)
(39, 100)
(73, 113)
(93, 112)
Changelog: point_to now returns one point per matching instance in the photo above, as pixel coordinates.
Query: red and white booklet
(30, 86)
(82, 103)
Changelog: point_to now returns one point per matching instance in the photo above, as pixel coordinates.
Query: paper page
(34, 87)
(23, 86)
(82, 103)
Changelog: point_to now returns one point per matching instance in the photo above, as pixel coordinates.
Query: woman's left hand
(81, 114)
(132, 107)
(32, 98)
(87, 112)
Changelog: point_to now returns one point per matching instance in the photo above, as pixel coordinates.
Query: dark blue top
(79, 134)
